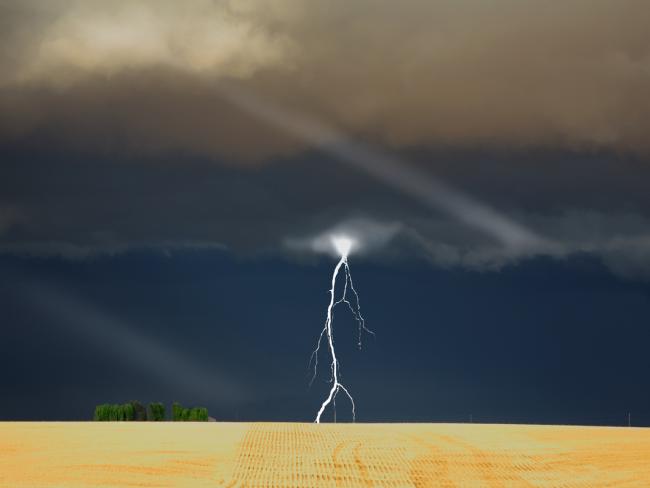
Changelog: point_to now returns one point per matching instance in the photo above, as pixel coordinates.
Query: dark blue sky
(546, 341)
(164, 199)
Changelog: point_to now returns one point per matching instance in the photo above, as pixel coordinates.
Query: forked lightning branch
(343, 246)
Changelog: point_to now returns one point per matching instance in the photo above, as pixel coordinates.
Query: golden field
(88, 454)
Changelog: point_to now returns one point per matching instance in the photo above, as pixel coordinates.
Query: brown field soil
(87, 454)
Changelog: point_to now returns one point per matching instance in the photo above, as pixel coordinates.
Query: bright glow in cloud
(343, 244)
(354, 235)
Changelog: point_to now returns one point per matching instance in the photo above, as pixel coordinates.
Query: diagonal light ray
(146, 353)
(391, 170)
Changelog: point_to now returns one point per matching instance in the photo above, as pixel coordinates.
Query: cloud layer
(528, 117)
(147, 73)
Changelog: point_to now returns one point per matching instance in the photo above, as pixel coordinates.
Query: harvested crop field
(87, 454)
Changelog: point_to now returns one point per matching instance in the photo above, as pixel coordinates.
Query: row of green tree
(136, 411)
(197, 414)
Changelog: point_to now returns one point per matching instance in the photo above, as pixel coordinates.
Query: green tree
(129, 411)
(157, 412)
(196, 414)
(107, 412)
(102, 412)
(139, 412)
(114, 413)
(177, 412)
(202, 414)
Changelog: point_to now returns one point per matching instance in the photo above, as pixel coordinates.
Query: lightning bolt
(343, 245)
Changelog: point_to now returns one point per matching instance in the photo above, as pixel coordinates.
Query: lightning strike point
(343, 245)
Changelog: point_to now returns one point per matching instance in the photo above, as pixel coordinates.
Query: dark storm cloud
(76, 205)
(542, 111)
(497, 73)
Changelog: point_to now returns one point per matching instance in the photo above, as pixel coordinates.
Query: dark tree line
(135, 411)
(197, 414)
